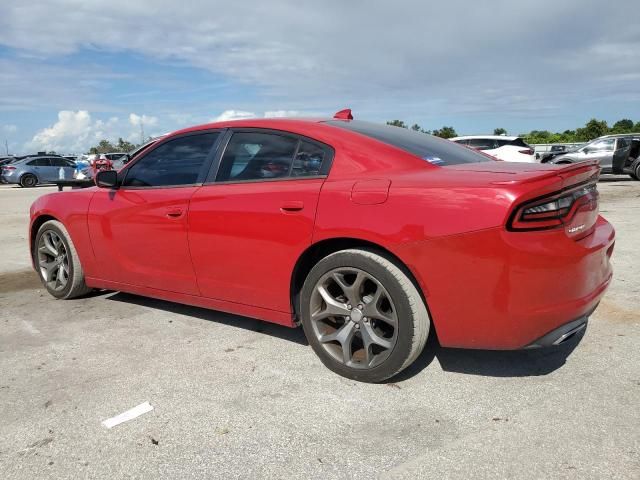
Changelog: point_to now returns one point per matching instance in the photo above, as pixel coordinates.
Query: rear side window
(61, 162)
(432, 149)
(39, 162)
(308, 160)
(175, 163)
(257, 156)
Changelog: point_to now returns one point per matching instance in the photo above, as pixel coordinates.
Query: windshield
(435, 150)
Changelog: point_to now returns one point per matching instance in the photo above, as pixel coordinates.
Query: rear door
(67, 167)
(620, 154)
(253, 219)
(139, 232)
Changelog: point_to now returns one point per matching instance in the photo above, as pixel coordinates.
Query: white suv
(509, 149)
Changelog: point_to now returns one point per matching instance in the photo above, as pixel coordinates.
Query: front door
(139, 232)
(249, 226)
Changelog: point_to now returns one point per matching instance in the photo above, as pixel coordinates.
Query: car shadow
(295, 335)
(488, 363)
(606, 178)
(492, 363)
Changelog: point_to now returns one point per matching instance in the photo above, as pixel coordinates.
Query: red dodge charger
(367, 235)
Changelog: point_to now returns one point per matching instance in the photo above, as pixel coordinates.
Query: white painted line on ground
(128, 415)
(30, 328)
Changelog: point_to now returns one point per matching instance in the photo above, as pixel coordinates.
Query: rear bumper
(501, 290)
(561, 334)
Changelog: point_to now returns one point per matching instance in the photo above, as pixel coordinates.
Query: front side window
(174, 163)
(257, 156)
(605, 145)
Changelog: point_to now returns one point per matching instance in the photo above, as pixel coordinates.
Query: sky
(75, 71)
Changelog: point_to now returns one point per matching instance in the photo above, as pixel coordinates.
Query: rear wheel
(57, 262)
(28, 180)
(363, 316)
(635, 170)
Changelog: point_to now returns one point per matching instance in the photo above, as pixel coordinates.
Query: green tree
(499, 131)
(397, 123)
(593, 129)
(445, 132)
(622, 126)
(416, 128)
(103, 147)
(124, 146)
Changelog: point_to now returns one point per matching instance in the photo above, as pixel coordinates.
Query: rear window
(518, 142)
(432, 149)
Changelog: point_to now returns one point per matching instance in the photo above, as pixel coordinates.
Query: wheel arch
(323, 248)
(35, 226)
(24, 174)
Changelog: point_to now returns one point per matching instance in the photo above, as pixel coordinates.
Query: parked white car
(509, 149)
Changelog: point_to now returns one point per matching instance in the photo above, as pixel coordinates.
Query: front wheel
(363, 316)
(57, 262)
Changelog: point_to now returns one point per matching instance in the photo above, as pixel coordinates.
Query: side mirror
(107, 179)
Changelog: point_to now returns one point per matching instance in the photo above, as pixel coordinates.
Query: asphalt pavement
(234, 397)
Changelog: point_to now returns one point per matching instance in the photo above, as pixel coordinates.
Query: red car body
(244, 247)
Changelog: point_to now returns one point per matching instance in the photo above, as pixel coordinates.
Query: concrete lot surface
(237, 398)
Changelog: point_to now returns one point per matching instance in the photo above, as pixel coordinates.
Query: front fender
(71, 209)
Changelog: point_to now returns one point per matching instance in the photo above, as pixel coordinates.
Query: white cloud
(9, 128)
(281, 113)
(76, 131)
(145, 120)
(233, 115)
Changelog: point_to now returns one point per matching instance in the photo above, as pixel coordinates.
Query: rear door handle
(174, 212)
(292, 206)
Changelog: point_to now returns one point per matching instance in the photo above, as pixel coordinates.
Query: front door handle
(292, 206)
(174, 212)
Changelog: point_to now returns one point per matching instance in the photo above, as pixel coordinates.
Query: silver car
(32, 171)
(611, 151)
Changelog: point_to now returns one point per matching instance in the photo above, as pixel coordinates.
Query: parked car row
(32, 170)
(618, 154)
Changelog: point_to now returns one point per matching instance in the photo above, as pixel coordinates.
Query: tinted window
(176, 162)
(308, 160)
(435, 150)
(60, 162)
(39, 162)
(255, 156)
(482, 143)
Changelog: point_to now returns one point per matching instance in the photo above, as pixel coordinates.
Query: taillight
(527, 151)
(8, 168)
(576, 209)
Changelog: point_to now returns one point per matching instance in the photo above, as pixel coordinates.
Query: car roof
(619, 135)
(275, 123)
(488, 137)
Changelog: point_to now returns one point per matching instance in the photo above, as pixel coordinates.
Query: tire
(28, 180)
(384, 333)
(635, 170)
(53, 246)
